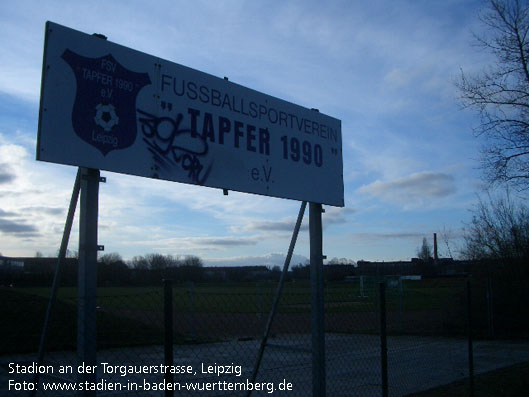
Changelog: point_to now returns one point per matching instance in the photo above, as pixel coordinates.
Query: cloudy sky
(386, 69)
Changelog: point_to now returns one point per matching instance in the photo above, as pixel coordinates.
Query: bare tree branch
(500, 95)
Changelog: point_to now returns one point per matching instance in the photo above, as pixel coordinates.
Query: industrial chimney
(435, 249)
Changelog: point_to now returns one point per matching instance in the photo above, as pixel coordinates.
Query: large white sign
(109, 107)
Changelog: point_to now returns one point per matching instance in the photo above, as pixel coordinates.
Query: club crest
(104, 110)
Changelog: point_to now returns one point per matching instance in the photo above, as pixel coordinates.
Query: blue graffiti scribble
(170, 146)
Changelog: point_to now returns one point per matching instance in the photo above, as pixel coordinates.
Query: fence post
(191, 292)
(401, 293)
(383, 340)
(362, 287)
(259, 305)
(168, 334)
(490, 309)
(470, 347)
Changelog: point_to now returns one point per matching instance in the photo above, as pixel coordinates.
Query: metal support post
(192, 311)
(87, 277)
(383, 340)
(490, 309)
(317, 304)
(470, 341)
(362, 287)
(168, 333)
(260, 316)
(401, 293)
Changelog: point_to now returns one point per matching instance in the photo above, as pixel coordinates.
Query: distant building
(236, 273)
(34, 270)
(416, 266)
(338, 272)
(367, 268)
(11, 270)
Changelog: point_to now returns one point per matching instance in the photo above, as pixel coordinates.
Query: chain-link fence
(217, 331)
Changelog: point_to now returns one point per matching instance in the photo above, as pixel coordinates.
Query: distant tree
(108, 259)
(152, 268)
(341, 261)
(156, 261)
(69, 254)
(301, 271)
(425, 251)
(446, 236)
(499, 231)
(39, 254)
(139, 262)
(276, 269)
(193, 261)
(501, 94)
(188, 269)
(173, 261)
(112, 270)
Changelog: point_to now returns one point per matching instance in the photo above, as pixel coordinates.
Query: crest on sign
(104, 110)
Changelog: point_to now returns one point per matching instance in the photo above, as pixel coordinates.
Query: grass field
(249, 297)
(134, 315)
(23, 316)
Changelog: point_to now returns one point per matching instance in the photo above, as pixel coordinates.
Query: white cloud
(371, 237)
(6, 173)
(201, 243)
(35, 201)
(285, 225)
(417, 188)
(269, 260)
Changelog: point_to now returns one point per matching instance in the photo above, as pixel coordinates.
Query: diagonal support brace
(278, 293)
